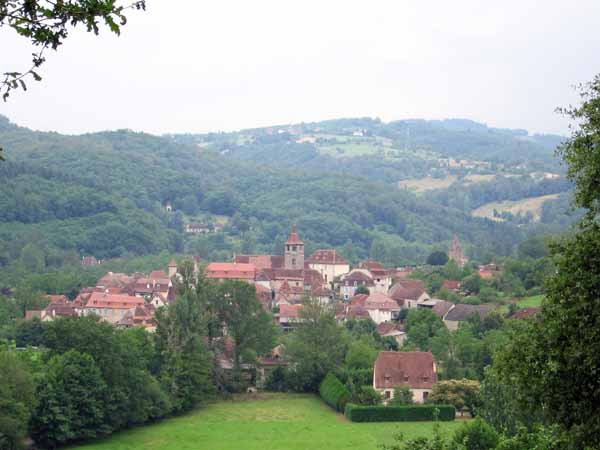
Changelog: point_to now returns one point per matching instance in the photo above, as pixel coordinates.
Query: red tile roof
(231, 271)
(407, 290)
(330, 256)
(290, 311)
(385, 328)
(416, 370)
(261, 261)
(113, 301)
(452, 285)
(370, 264)
(381, 301)
(294, 239)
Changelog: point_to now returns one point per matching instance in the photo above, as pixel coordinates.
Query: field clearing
(427, 184)
(351, 149)
(533, 204)
(531, 302)
(476, 178)
(273, 422)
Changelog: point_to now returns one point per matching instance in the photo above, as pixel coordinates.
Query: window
(293, 261)
(388, 395)
(425, 396)
(406, 378)
(294, 248)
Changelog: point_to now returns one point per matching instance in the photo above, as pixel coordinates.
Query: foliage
(554, 361)
(367, 395)
(72, 403)
(357, 413)
(402, 396)
(362, 289)
(46, 25)
(459, 393)
(361, 355)
(437, 258)
(334, 392)
(316, 347)
(421, 326)
(184, 361)
(476, 435)
(17, 399)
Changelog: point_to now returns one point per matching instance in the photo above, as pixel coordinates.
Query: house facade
(416, 370)
(329, 263)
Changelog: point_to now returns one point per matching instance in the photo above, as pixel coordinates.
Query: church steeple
(294, 251)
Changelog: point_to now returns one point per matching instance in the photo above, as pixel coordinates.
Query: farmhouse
(417, 370)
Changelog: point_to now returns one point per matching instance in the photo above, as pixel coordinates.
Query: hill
(104, 194)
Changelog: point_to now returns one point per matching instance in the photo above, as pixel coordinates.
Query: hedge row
(357, 413)
(334, 392)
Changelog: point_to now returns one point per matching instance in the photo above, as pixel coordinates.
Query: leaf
(23, 85)
(36, 77)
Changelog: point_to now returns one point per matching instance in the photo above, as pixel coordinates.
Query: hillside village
(283, 284)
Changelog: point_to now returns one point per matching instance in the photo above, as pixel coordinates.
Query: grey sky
(205, 66)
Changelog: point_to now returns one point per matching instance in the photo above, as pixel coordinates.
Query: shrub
(358, 413)
(334, 392)
(476, 435)
(402, 396)
(366, 395)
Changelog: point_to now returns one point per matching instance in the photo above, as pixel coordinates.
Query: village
(283, 284)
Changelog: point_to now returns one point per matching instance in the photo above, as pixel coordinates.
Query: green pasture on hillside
(266, 422)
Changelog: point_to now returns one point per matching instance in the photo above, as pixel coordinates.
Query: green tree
(16, 401)
(472, 284)
(554, 362)
(437, 258)
(316, 347)
(462, 394)
(362, 289)
(184, 361)
(402, 396)
(476, 435)
(235, 306)
(71, 401)
(361, 354)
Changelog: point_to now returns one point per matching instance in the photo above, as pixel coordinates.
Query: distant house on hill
(197, 228)
(88, 261)
(417, 370)
(289, 316)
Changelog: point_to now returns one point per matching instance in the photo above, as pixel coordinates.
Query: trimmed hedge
(334, 392)
(357, 413)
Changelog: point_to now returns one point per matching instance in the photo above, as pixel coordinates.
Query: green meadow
(263, 422)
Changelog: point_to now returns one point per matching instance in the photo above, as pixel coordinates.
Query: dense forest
(104, 194)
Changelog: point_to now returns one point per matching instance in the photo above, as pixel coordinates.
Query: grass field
(272, 422)
(533, 204)
(428, 183)
(531, 302)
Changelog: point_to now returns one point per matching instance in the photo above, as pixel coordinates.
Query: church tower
(294, 251)
(456, 253)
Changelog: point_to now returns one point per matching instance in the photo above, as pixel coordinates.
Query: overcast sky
(196, 66)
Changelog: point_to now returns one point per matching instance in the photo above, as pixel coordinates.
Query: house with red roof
(381, 308)
(110, 307)
(231, 271)
(329, 263)
(416, 370)
(409, 293)
(394, 330)
(451, 285)
(289, 316)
